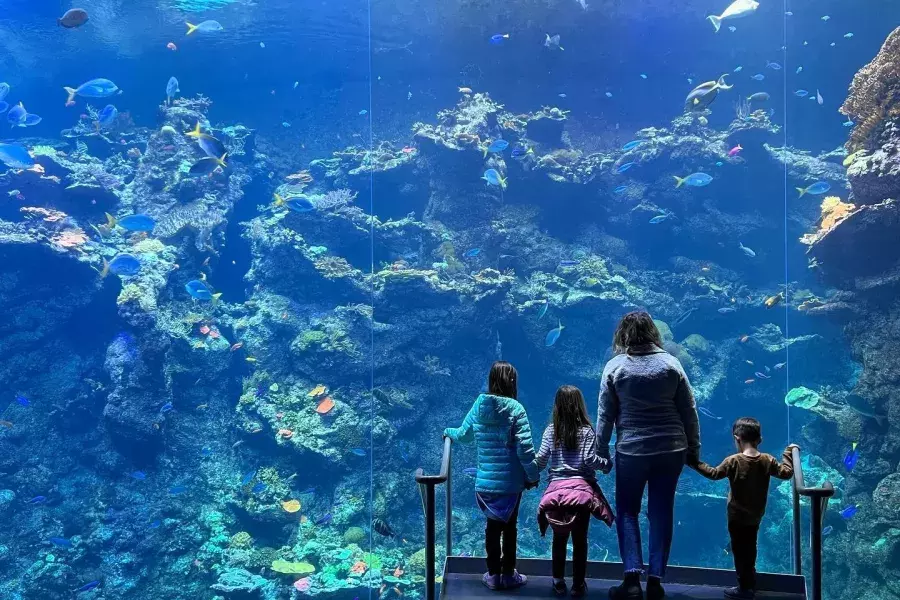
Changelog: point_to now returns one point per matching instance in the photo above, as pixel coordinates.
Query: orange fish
(749, 381)
(291, 506)
(204, 329)
(171, 46)
(317, 391)
(6, 424)
(237, 346)
(744, 338)
(325, 406)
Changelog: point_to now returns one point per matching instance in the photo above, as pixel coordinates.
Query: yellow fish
(251, 359)
(317, 391)
(849, 160)
(774, 300)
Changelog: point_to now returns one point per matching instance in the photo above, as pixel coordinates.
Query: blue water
(165, 434)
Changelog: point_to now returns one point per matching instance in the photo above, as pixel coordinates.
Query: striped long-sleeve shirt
(565, 463)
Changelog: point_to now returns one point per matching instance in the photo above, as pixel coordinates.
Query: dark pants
(743, 549)
(500, 544)
(659, 473)
(579, 550)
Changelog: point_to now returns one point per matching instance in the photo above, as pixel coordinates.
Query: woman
(646, 395)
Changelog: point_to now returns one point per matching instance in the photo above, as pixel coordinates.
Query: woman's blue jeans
(659, 473)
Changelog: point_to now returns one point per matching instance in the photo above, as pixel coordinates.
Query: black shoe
(579, 590)
(655, 590)
(739, 593)
(559, 587)
(629, 590)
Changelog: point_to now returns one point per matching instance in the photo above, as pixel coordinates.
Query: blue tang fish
(758, 77)
(801, 93)
(620, 189)
(259, 488)
(171, 90)
(496, 146)
(205, 27)
(87, 587)
(816, 189)
(95, 88)
(248, 477)
(107, 116)
(177, 490)
(359, 451)
(658, 219)
(300, 204)
(198, 290)
(15, 156)
(625, 167)
(848, 512)
(553, 335)
(16, 115)
(851, 458)
(493, 178)
(22, 400)
(693, 180)
(519, 151)
(632, 145)
(473, 252)
(498, 38)
(60, 541)
(4, 90)
(125, 264)
(37, 500)
(134, 223)
(139, 475)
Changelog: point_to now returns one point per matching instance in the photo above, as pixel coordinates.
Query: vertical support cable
(372, 303)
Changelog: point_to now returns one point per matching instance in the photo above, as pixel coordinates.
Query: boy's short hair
(747, 429)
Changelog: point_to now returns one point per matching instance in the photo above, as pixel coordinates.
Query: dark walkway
(462, 579)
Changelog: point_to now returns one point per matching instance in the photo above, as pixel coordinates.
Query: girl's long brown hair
(569, 415)
(503, 380)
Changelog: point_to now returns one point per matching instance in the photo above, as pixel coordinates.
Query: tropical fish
(799, 70)
(622, 168)
(568, 263)
(773, 65)
(139, 223)
(761, 375)
(208, 165)
(496, 146)
(658, 219)
(465, 90)
(37, 500)
(359, 452)
(827, 530)
(139, 475)
(738, 69)
(30, 120)
(300, 204)
(210, 145)
(15, 156)
(543, 310)
(643, 76)
(166, 408)
(16, 115)
(95, 88)
(826, 18)
(816, 189)
(848, 35)
(382, 528)
(749, 381)
(758, 77)
(519, 151)
(126, 265)
(727, 309)
(107, 116)
(316, 391)
(60, 541)
(498, 38)
(704, 94)
(236, 346)
(171, 46)
(705, 411)
(363, 112)
(693, 180)
(608, 94)
(732, 29)
(848, 512)
(22, 400)
(553, 335)
(632, 145)
(473, 252)
(324, 519)
(819, 98)
(620, 189)
(248, 477)
(200, 291)
(171, 90)
(735, 151)
(746, 250)
(259, 488)
(177, 490)
(852, 456)
(779, 366)
(154, 524)
(204, 27)
(774, 300)
(75, 17)
(87, 587)
(737, 9)
(4, 90)
(801, 93)
(493, 178)
(552, 42)
(848, 123)
(758, 97)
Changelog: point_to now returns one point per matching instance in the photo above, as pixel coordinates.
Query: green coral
(354, 535)
(802, 397)
(664, 330)
(416, 562)
(241, 539)
(292, 568)
(310, 338)
(696, 343)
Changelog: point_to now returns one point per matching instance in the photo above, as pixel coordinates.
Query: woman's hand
(606, 466)
(530, 485)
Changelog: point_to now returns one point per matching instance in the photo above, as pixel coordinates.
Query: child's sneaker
(511, 582)
(579, 590)
(559, 587)
(492, 582)
(739, 593)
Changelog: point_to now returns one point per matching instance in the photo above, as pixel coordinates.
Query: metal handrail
(819, 503)
(427, 484)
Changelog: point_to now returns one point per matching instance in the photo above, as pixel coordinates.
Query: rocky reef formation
(261, 445)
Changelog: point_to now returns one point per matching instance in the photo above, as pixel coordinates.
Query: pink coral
(49, 215)
(302, 585)
(70, 238)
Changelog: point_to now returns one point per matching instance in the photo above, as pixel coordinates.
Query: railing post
(817, 505)
(448, 509)
(429, 542)
(796, 532)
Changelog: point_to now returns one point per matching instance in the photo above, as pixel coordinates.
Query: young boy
(748, 472)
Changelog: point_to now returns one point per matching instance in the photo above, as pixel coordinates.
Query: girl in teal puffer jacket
(506, 466)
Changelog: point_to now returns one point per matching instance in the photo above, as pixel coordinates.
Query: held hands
(530, 485)
(605, 466)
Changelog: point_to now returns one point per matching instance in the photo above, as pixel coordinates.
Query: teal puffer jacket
(502, 434)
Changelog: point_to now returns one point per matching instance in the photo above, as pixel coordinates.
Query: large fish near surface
(704, 94)
(736, 10)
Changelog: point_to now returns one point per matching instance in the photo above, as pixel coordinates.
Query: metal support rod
(429, 542)
(816, 547)
(448, 508)
(796, 541)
